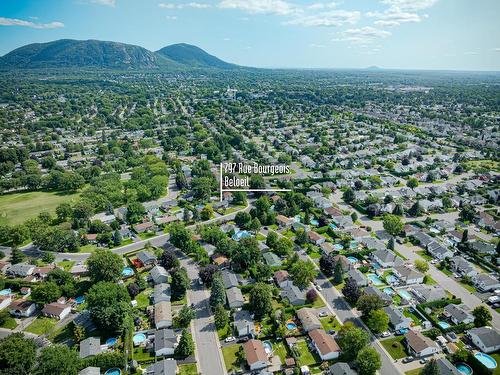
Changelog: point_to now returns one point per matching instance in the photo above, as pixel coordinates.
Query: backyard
(394, 347)
(41, 325)
(232, 357)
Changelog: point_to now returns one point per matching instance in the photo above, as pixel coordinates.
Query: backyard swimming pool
(291, 325)
(79, 300)
(389, 291)
(444, 324)
(353, 245)
(267, 347)
(353, 260)
(338, 247)
(464, 368)
(113, 371)
(391, 279)
(332, 225)
(139, 338)
(127, 271)
(375, 279)
(111, 341)
(241, 234)
(5, 292)
(486, 360)
(314, 222)
(405, 294)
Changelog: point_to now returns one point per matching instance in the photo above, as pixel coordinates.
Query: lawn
(41, 326)
(280, 350)
(306, 358)
(62, 334)
(415, 371)
(231, 358)
(146, 235)
(413, 316)
(395, 352)
(180, 302)
(424, 255)
(141, 354)
(329, 323)
(16, 208)
(429, 280)
(224, 332)
(89, 248)
(66, 264)
(189, 369)
(9, 323)
(143, 298)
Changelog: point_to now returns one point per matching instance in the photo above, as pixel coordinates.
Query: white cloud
(184, 5)
(333, 18)
(279, 7)
(409, 5)
(171, 18)
(363, 35)
(109, 3)
(394, 17)
(17, 22)
(227, 39)
(496, 49)
(322, 5)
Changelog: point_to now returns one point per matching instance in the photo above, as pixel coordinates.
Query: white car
(322, 314)
(319, 287)
(385, 334)
(229, 339)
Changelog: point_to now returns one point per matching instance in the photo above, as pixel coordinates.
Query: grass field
(189, 369)
(231, 358)
(395, 352)
(9, 323)
(41, 326)
(16, 208)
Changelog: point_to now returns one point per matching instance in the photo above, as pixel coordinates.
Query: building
(358, 277)
(293, 294)
(487, 339)
(234, 298)
(271, 259)
(439, 251)
(341, 368)
(386, 258)
(146, 258)
(90, 346)
(408, 275)
(485, 282)
(458, 314)
(20, 270)
(309, 319)
(445, 367)
(163, 367)
(22, 308)
(5, 301)
(315, 238)
(428, 293)
(419, 345)
(229, 279)
(396, 318)
(56, 310)
(161, 293)
(165, 341)
(244, 324)
(90, 371)
(256, 355)
(326, 347)
(163, 315)
(158, 275)
(462, 267)
(281, 278)
(372, 290)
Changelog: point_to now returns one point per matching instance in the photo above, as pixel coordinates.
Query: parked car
(319, 287)
(229, 339)
(385, 334)
(423, 361)
(322, 314)
(408, 359)
(402, 331)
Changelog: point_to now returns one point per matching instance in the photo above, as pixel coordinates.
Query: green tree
(261, 300)
(186, 314)
(64, 211)
(482, 316)
(206, 213)
(17, 354)
(351, 340)
(421, 265)
(303, 273)
(135, 212)
(348, 195)
(283, 247)
(104, 265)
(48, 257)
(377, 321)
(179, 284)
(272, 239)
(412, 183)
(327, 264)
(369, 302)
(431, 368)
(79, 332)
(351, 291)
(16, 255)
(186, 345)
(390, 244)
(338, 275)
(393, 224)
(368, 361)
(254, 225)
(467, 213)
(217, 292)
(416, 210)
(220, 317)
(46, 292)
(58, 359)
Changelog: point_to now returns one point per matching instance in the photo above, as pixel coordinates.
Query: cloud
(363, 35)
(109, 3)
(171, 18)
(496, 49)
(17, 22)
(278, 7)
(394, 17)
(409, 5)
(316, 6)
(314, 45)
(333, 18)
(184, 5)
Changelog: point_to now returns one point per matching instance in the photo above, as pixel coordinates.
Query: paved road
(209, 355)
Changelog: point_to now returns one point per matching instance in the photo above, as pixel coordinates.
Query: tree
(179, 284)
(133, 290)
(390, 244)
(79, 332)
(311, 295)
(393, 224)
(338, 274)
(431, 368)
(242, 219)
(368, 361)
(206, 213)
(186, 345)
(283, 247)
(465, 236)
(412, 183)
(58, 359)
(303, 273)
(109, 306)
(135, 212)
(254, 225)
(217, 292)
(117, 238)
(421, 265)
(482, 316)
(186, 314)
(17, 354)
(16, 255)
(398, 210)
(416, 210)
(349, 195)
(378, 321)
(261, 300)
(64, 211)
(369, 302)
(272, 239)
(220, 317)
(327, 264)
(48, 257)
(208, 273)
(169, 260)
(351, 340)
(104, 265)
(46, 292)
(467, 213)
(351, 291)
(301, 237)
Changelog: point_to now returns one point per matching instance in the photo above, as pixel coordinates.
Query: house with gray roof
(373, 243)
(272, 259)
(90, 371)
(146, 258)
(20, 270)
(485, 282)
(358, 277)
(158, 275)
(371, 290)
(243, 323)
(445, 367)
(161, 293)
(458, 314)
(396, 318)
(341, 368)
(439, 251)
(428, 293)
(163, 367)
(165, 340)
(90, 346)
(487, 339)
(462, 266)
(234, 297)
(386, 258)
(293, 294)
(229, 279)
(408, 275)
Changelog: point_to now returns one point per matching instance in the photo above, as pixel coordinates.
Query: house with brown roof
(144, 227)
(315, 238)
(419, 345)
(283, 221)
(22, 308)
(220, 260)
(56, 310)
(309, 319)
(281, 278)
(163, 315)
(256, 355)
(326, 347)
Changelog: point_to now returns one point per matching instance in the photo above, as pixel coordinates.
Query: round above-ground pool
(486, 360)
(127, 271)
(111, 341)
(139, 338)
(79, 300)
(464, 368)
(291, 325)
(444, 324)
(113, 371)
(5, 292)
(353, 260)
(375, 279)
(267, 347)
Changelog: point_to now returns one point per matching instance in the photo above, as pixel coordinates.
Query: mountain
(193, 56)
(83, 53)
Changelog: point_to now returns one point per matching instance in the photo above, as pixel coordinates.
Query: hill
(193, 56)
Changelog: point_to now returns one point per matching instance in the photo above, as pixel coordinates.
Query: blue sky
(406, 34)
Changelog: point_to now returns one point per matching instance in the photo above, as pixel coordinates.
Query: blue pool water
(79, 300)
(391, 279)
(338, 247)
(389, 291)
(353, 260)
(112, 341)
(241, 234)
(464, 368)
(443, 324)
(297, 218)
(375, 279)
(267, 347)
(113, 371)
(486, 360)
(139, 338)
(405, 294)
(314, 222)
(5, 292)
(332, 225)
(291, 325)
(353, 245)
(127, 271)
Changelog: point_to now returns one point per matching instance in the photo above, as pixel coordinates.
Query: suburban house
(344, 262)
(165, 339)
(293, 294)
(446, 367)
(386, 258)
(483, 247)
(161, 293)
(22, 308)
(234, 297)
(256, 355)
(408, 275)
(146, 258)
(271, 259)
(229, 279)
(281, 278)
(439, 251)
(373, 243)
(485, 338)
(315, 238)
(397, 319)
(90, 370)
(20, 270)
(5, 301)
(163, 315)
(485, 282)
(341, 368)
(243, 323)
(326, 347)
(283, 221)
(419, 345)
(327, 247)
(309, 319)
(462, 267)
(158, 275)
(428, 293)
(372, 290)
(145, 227)
(163, 367)
(90, 346)
(56, 310)
(358, 277)
(458, 314)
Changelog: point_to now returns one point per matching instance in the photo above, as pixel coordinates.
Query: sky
(400, 34)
